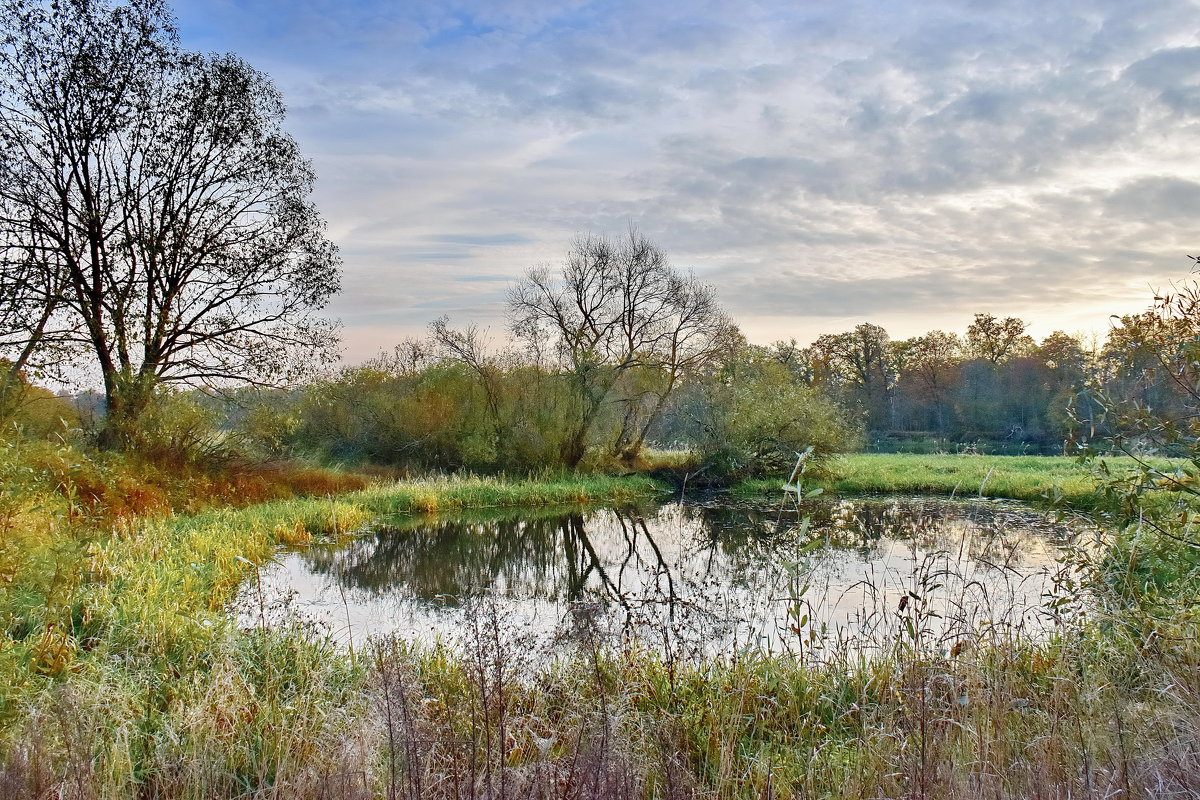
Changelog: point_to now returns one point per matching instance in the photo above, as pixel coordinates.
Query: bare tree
(406, 359)
(152, 209)
(469, 347)
(614, 307)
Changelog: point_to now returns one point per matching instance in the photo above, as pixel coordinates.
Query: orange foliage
(121, 490)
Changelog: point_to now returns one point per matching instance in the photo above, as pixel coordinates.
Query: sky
(820, 164)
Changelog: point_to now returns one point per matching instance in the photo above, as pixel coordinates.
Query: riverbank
(1042, 480)
(75, 584)
(123, 674)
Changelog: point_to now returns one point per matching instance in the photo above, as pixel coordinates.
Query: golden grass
(122, 674)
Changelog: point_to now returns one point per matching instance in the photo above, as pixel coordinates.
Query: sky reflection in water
(694, 578)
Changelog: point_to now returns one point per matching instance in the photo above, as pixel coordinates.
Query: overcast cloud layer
(821, 164)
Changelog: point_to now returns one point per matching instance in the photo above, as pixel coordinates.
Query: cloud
(1159, 199)
(813, 161)
(480, 240)
(1174, 74)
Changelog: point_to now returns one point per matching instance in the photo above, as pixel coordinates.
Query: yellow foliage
(54, 651)
(343, 518)
(292, 535)
(426, 502)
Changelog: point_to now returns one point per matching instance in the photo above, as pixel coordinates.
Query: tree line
(616, 351)
(996, 387)
(615, 359)
(156, 236)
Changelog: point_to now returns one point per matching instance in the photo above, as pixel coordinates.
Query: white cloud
(909, 163)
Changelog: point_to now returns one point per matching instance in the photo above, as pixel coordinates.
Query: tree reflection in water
(704, 576)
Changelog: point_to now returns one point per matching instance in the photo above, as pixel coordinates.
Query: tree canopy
(615, 312)
(154, 220)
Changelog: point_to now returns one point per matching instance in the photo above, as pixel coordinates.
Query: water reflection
(698, 577)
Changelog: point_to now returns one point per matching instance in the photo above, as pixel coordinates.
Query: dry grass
(101, 488)
(122, 675)
(1083, 716)
(1098, 712)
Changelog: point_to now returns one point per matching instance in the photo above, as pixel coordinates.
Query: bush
(34, 412)
(179, 430)
(754, 419)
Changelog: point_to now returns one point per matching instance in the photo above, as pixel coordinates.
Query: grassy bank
(283, 713)
(297, 521)
(122, 675)
(1034, 479)
(121, 672)
(1077, 717)
(70, 586)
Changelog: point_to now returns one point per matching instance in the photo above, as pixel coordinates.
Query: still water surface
(694, 577)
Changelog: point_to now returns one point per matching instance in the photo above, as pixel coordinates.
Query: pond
(693, 578)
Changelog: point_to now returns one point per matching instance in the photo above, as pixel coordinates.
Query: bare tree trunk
(127, 398)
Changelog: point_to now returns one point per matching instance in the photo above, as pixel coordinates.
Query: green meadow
(1042, 480)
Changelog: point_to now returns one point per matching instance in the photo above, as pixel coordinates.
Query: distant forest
(619, 362)
(994, 389)
(444, 402)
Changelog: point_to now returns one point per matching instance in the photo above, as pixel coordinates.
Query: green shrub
(754, 422)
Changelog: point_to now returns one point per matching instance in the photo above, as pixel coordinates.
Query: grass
(1070, 719)
(448, 494)
(123, 675)
(1031, 478)
(1037, 479)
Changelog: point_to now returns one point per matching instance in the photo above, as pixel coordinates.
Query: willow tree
(154, 220)
(616, 307)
